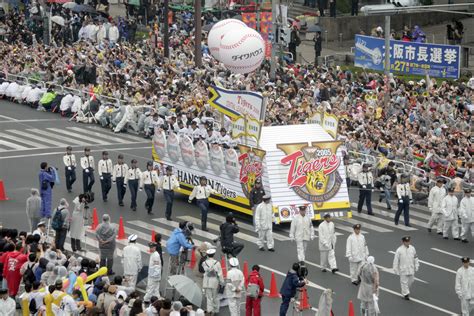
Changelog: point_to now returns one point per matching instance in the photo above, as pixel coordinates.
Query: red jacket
(255, 278)
(11, 270)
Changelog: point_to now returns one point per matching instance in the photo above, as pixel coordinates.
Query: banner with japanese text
(250, 18)
(436, 60)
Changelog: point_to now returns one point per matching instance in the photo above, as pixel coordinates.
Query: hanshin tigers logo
(313, 170)
(251, 167)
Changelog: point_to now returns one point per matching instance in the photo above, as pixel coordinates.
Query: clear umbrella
(70, 5)
(58, 20)
(187, 288)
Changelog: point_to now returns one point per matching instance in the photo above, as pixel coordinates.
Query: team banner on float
(237, 103)
(441, 61)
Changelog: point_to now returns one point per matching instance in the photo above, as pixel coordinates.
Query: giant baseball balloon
(218, 30)
(242, 50)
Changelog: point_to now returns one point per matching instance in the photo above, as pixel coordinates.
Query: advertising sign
(237, 103)
(251, 167)
(441, 61)
(317, 118)
(330, 122)
(250, 128)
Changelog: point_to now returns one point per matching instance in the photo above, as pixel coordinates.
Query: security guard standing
(404, 200)
(70, 165)
(149, 181)
(169, 184)
(105, 167)
(256, 194)
(133, 177)
(118, 177)
(366, 183)
(87, 164)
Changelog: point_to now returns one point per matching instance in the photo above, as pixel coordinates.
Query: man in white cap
(435, 202)
(41, 231)
(302, 232)
(466, 211)
(213, 277)
(465, 286)
(369, 286)
(327, 243)
(234, 287)
(450, 215)
(356, 252)
(154, 273)
(405, 264)
(132, 261)
(263, 223)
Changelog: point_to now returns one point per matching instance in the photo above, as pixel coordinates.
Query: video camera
(88, 198)
(301, 271)
(188, 231)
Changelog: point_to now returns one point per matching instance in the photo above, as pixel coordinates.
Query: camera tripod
(296, 302)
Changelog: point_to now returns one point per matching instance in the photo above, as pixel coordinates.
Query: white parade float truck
(298, 165)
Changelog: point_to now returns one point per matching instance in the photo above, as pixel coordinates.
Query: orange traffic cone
(95, 219)
(3, 194)
(121, 231)
(192, 263)
(246, 273)
(351, 309)
(224, 267)
(304, 304)
(273, 287)
(153, 239)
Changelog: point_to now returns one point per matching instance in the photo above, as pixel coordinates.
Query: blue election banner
(442, 61)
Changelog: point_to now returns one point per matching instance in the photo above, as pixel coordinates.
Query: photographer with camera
(173, 245)
(295, 279)
(78, 220)
(228, 230)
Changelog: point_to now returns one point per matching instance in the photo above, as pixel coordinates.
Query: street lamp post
(387, 45)
(197, 33)
(166, 42)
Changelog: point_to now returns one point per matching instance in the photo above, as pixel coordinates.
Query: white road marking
(149, 226)
(196, 231)
(12, 145)
(449, 253)
(380, 220)
(37, 137)
(432, 265)
(122, 135)
(412, 212)
(22, 140)
(248, 227)
(106, 135)
(53, 135)
(78, 136)
(390, 270)
(367, 225)
(75, 151)
(215, 227)
(12, 119)
(29, 121)
(392, 292)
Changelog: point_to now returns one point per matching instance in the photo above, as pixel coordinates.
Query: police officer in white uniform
(132, 261)
(404, 200)
(435, 203)
(301, 231)
(202, 192)
(327, 244)
(212, 278)
(154, 273)
(133, 178)
(169, 184)
(69, 160)
(405, 264)
(150, 182)
(87, 164)
(450, 215)
(235, 285)
(263, 223)
(466, 211)
(357, 252)
(105, 167)
(366, 183)
(464, 286)
(118, 177)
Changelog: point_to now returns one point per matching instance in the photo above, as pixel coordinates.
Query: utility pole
(275, 19)
(197, 33)
(387, 45)
(166, 32)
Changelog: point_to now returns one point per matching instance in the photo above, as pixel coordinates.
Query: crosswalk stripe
(431, 265)
(370, 226)
(196, 231)
(449, 253)
(345, 227)
(122, 135)
(412, 220)
(22, 140)
(150, 227)
(212, 226)
(248, 227)
(78, 136)
(412, 212)
(12, 145)
(103, 135)
(63, 138)
(38, 138)
(380, 220)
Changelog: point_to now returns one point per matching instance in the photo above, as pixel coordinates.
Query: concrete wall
(351, 25)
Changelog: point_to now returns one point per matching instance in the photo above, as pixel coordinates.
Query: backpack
(58, 221)
(253, 290)
(212, 273)
(201, 261)
(29, 275)
(32, 307)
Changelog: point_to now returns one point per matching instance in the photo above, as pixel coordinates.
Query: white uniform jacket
(327, 236)
(465, 283)
(435, 199)
(450, 207)
(466, 209)
(302, 228)
(356, 248)
(263, 216)
(132, 260)
(405, 261)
